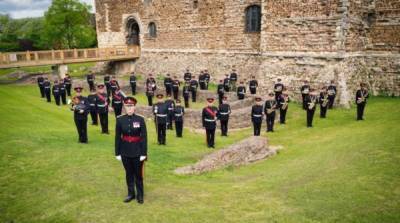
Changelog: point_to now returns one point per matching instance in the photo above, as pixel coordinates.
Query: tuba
(311, 105)
(325, 100)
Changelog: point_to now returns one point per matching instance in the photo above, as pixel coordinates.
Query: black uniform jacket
(130, 136)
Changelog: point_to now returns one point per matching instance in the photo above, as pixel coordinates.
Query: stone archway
(133, 32)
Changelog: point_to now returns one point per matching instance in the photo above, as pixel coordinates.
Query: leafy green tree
(67, 25)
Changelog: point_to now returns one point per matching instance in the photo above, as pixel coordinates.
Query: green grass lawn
(339, 171)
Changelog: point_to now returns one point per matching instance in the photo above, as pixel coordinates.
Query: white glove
(118, 158)
(81, 111)
(142, 158)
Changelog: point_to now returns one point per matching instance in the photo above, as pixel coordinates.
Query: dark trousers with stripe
(104, 122)
(133, 174)
(210, 136)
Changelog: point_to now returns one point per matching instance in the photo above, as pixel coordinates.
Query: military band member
(278, 88)
(117, 100)
(257, 116)
(132, 81)
(92, 97)
(40, 81)
(311, 101)
(168, 84)
(114, 85)
(305, 91)
(56, 92)
(63, 92)
(226, 83)
(224, 110)
(270, 111)
(283, 104)
(232, 80)
(220, 91)
(202, 81)
(131, 149)
(107, 80)
(241, 91)
(68, 84)
(175, 87)
(90, 78)
(160, 112)
(171, 107)
(253, 85)
(187, 76)
(80, 107)
(209, 119)
(361, 100)
(332, 91)
(323, 102)
(194, 84)
(186, 94)
(207, 77)
(102, 108)
(179, 112)
(150, 87)
(47, 89)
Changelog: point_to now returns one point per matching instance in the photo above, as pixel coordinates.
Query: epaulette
(119, 116)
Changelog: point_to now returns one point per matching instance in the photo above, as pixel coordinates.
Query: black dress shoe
(140, 201)
(129, 198)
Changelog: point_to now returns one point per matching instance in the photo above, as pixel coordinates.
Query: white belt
(90, 80)
(101, 106)
(202, 81)
(55, 90)
(117, 102)
(170, 109)
(257, 116)
(224, 113)
(160, 115)
(40, 83)
(46, 87)
(209, 120)
(241, 92)
(92, 104)
(133, 81)
(252, 86)
(178, 115)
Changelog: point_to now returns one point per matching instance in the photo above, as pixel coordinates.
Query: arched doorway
(133, 32)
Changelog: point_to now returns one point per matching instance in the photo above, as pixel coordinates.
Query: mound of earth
(244, 152)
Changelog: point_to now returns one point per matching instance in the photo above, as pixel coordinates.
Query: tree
(67, 25)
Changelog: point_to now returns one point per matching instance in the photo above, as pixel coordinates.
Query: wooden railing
(54, 57)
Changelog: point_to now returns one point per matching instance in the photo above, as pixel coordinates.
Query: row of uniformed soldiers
(60, 89)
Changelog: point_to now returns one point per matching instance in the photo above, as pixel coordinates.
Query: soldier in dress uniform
(305, 91)
(202, 81)
(224, 110)
(102, 108)
(171, 106)
(114, 85)
(361, 100)
(283, 104)
(187, 76)
(311, 101)
(160, 112)
(270, 111)
(117, 100)
(56, 92)
(226, 83)
(80, 107)
(68, 84)
(207, 77)
(257, 116)
(209, 119)
(323, 102)
(253, 85)
(186, 94)
(47, 89)
(63, 92)
(131, 149)
(179, 112)
(150, 87)
(107, 80)
(241, 91)
(194, 84)
(232, 80)
(332, 91)
(220, 91)
(278, 88)
(40, 81)
(168, 84)
(92, 97)
(90, 78)
(132, 81)
(175, 87)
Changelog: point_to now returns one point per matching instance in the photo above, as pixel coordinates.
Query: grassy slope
(339, 171)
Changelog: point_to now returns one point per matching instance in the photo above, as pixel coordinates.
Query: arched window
(133, 31)
(152, 30)
(253, 18)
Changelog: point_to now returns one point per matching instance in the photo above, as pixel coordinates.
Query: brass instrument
(272, 109)
(331, 92)
(285, 103)
(311, 105)
(325, 100)
(363, 97)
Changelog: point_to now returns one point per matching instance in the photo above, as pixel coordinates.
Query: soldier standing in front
(224, 110)
(324, 102)
(311, 101)
(179, 112)
(209, 119)
(80, 107)
(361, 100)
(194, 84)
(171, 106)
(332, 91)
(305, 91)
(283, 104)
(92, 97)
(102, 108)
(131, 149)
(257, 116)
(160, 112)
(270, 111)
